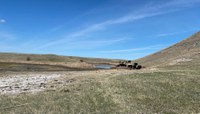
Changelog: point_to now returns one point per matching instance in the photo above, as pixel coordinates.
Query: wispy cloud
(121, 20)
(146, 12)
(183, 3)
(136, 49)
(2, 21)
(95, 43)
(90, 44)
(170, 34)
(176, 33)
(56, 28)
(6, 36)
(99, 26)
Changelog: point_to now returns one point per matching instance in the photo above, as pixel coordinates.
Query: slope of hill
(185, 52)
(49, 62)
(50, 58)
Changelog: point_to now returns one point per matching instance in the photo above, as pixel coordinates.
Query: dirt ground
(13, 83)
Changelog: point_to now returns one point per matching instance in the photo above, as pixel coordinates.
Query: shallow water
(104, 66)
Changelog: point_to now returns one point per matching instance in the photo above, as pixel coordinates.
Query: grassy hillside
(51, 58)
(186, 51)
(35, 62)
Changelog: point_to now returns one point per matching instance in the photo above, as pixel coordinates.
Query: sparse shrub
(81, 60)
(28, 59)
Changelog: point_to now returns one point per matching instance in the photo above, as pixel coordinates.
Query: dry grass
(50, 58)
(162, 91)
(31, 62)
(185, 49)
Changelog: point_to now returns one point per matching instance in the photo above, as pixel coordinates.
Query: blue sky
(124, 29)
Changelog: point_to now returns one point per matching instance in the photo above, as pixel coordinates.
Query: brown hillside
(49, 58)
(48, 62)
(184, 52)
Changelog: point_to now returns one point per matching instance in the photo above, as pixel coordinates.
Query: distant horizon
(122, 29)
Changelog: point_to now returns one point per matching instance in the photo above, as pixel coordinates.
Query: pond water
(104, 66)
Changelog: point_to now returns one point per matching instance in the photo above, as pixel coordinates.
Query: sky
(116, 29)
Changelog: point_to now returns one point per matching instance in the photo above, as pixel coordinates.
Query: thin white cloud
(4, 35)
(91, 28)
(100, 26)
(121, 20)
(183, 3)
(169, 34)
(176, 33)
(148, 11)
(135, 49)
(88, 44)
(94, 44)
(2, 21)
(97, 42)
(56, 28)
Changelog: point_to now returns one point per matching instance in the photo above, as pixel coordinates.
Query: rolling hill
(17, 57)
(48, 62)
(184, 53)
